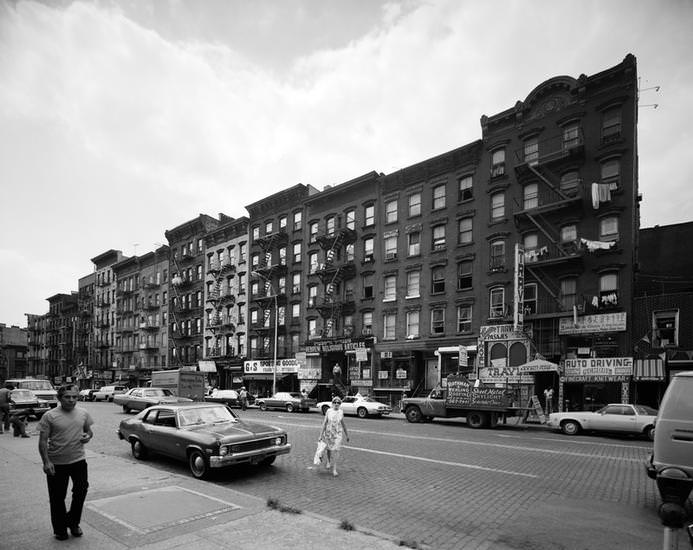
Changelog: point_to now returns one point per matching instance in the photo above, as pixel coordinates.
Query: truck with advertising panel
(483, 406)
(183, 383)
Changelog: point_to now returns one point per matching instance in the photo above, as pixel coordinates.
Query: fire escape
(179, 312)
(555, 200)
(220, 300)
(334, 304)
(270, 272)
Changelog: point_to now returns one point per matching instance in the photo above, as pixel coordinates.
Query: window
(312, 328)
(570, 182)
(464, 231)
(391, 247)
(368, 285)
(437, 321)
(330, 225)
(530, 242)
(391, 211)
(413, 284)
(608, 290)
(255, 260)
(389, 323)
(297, 252)
(464, 318)
(367, 323)
(665, 329)
(312, 295)
(531, 151)
(390, 286)
(268, 227)
(415, 204)
(368, 249)
(414, 243)
(568, 294)
(297, 221)
(530, 298)
(611, 124)
(242, 252)
(569, 233)
(438, 197)
(295, 311)
(608, 229)
(295, 283)
(497, 255)
(412, 320)
(464, 189)
(349, 252)
(256, 232)
(530, 195)
(464, 275)
(350, 219)
(282, 222)
(571, 135)
(497, 207)
(611, 173)
(313, 262)
(497, 302)
(438, 280)
(313, 232)
(438, 240)
(369, 215)
(497, 163)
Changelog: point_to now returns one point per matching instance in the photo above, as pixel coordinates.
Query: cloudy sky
(120, 119)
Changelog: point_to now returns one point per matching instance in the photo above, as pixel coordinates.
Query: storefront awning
(648, 369)
(207, 366)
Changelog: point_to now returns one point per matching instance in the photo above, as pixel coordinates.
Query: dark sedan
(207, 436)
(26, 401)
(138, 399)
(228, 397)
(286, 401)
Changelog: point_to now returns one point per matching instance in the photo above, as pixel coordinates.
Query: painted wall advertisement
(598, 369)
(496, 370)
(593, 324)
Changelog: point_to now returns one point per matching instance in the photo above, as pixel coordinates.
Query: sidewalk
(133, 505)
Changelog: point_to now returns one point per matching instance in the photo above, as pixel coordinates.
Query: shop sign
(361, 354)
(598, 378)
(363, 382)
(588, 324)
(463, 358)
(609, 367)
(308, 373)
(504, 375)
(401, 374)
(383, 374)
(284, 366)
(386, 355)
(501, 332)
(346, 344)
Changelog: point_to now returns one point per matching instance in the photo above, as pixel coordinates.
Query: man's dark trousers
(57, 491)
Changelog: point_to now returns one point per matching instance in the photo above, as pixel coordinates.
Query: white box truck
(183, 383)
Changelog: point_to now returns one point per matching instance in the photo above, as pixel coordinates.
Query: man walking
(5, 394)
(63, 431)
(243, 398)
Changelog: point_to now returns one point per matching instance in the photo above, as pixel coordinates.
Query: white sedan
(358, 405)
(615, 418)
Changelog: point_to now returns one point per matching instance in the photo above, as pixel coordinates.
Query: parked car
(26, 400)
(673, 442)
(138, 399)
(621, 418)
(228, 397)
(287, 401)
(87, 394)
(106, 393)
(359, 405)
(205, 435)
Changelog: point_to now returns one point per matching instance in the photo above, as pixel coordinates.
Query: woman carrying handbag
(333, 429)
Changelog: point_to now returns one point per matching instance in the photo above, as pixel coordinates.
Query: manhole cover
(155, 509)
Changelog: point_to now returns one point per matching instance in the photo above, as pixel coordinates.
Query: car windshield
(296, 395)
(34, 385)
(205, 415)
(22, 394)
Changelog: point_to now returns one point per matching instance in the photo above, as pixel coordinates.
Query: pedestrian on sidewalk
(63, 431)
(333, 430)
(5, 394)
(243, 398)
(18, 421)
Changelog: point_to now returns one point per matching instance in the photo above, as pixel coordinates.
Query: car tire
(650, 432)
(361, 412)
(570, 427)
(325, 408)
(139, 451)
(268, 461)
(289, 408)
(126, 409)
(263, 407)
(476, 419)
(110, 399)
(413, 414)
(198, 464)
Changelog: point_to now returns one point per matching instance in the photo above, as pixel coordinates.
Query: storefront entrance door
(432, 373)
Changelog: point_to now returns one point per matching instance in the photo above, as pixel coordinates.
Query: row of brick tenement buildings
(524, 242)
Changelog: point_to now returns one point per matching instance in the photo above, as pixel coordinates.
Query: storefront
(648, 382)
(589, 384)
(260, 377)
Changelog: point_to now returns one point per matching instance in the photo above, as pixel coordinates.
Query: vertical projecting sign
(519, 279)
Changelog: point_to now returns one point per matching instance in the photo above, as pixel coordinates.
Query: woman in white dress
(333, 429)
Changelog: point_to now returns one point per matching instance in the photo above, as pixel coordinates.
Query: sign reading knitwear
(598, 366)
(587, 324)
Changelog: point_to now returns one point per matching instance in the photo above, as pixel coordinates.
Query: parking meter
(674, 486)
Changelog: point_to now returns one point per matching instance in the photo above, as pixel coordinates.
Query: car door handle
(682, 436)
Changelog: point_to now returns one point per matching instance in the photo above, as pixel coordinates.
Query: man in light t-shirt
(63, 431)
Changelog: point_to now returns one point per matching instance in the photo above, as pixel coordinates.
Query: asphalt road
(444, 485)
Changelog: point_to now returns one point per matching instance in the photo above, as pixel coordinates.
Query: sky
(121, 119)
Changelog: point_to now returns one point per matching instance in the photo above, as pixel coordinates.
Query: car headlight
(278, 440)
(223, 450)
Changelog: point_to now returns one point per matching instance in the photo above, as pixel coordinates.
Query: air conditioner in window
(391, 255)
(368, 258)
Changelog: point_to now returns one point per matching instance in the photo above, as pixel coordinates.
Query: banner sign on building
(346, 344)
(602, 369)
(463, 358)
(588, 324)
(284, 366)
(504, 375)
(519, 280)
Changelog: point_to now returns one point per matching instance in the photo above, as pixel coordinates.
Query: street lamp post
(276, 328)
